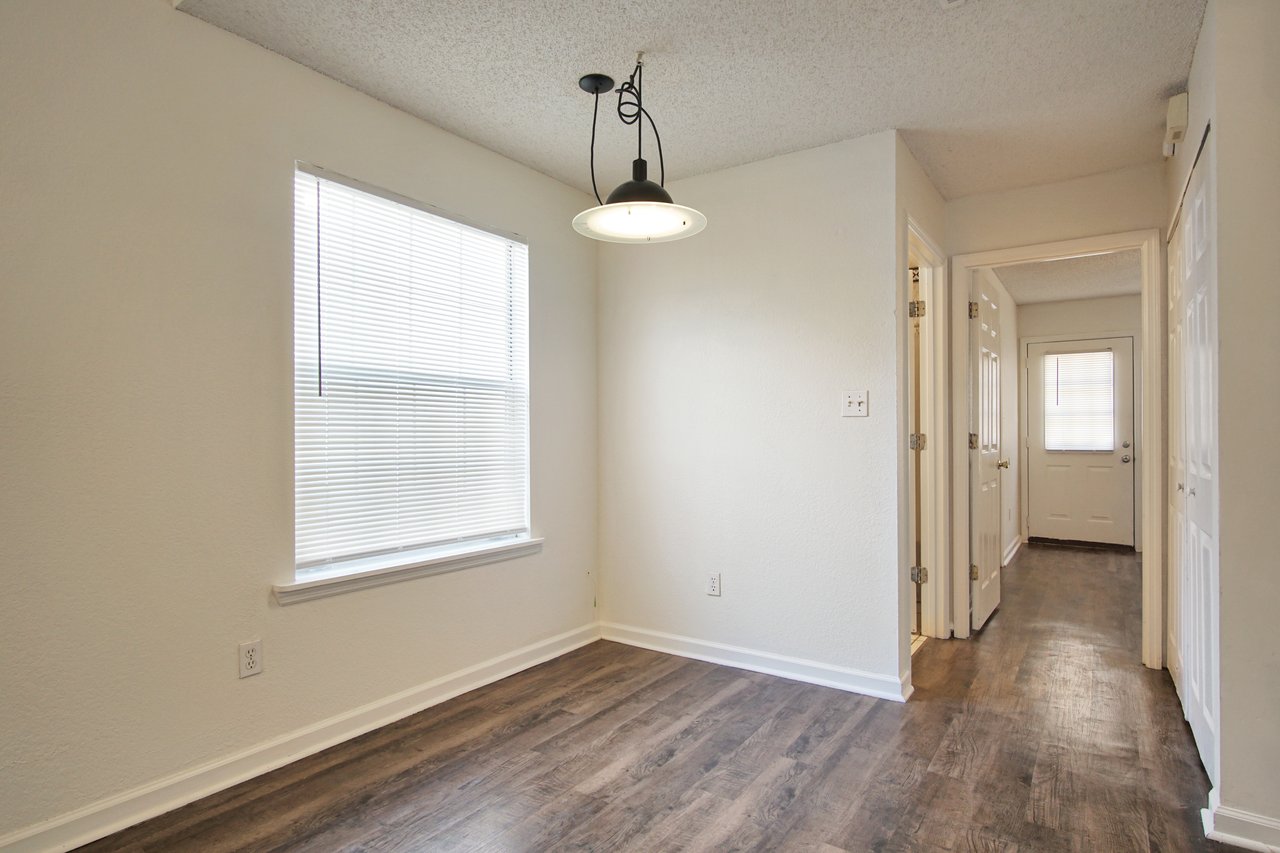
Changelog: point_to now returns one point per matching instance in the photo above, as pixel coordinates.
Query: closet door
(1177, 478)
(1194, 497)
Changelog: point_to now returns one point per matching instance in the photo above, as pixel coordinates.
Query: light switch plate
(855, 404)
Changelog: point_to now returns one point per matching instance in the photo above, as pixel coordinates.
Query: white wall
(1233, 85)
(145, 403)
(1085, 317)
(1109, 203)
(723, 361)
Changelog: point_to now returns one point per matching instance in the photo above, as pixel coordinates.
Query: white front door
(1080, 440)
(984, 454)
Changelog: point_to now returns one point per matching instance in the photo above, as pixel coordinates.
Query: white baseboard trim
(115, 813)
(797, 669)
(1239, 827)
(1011, 551)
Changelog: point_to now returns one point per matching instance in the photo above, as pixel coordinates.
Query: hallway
(1070, 743)
(1044, 733)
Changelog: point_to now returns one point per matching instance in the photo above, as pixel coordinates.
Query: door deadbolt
(1126, 444)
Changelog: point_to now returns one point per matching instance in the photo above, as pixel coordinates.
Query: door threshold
(1045, 542)
(917, 640)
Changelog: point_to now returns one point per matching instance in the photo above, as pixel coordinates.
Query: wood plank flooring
(1043, 734)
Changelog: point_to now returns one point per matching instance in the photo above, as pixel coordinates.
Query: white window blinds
(1079, 401)
(411, 385)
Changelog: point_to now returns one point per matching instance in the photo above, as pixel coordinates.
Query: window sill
(403, 567)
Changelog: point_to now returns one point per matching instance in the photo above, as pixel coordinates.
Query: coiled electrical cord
(630, 110)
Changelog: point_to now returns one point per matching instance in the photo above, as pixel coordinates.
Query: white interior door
(984, 454)
(1177, 463)
(1193, 379)
(1080, 440)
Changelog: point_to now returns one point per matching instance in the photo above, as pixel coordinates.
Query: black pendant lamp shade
(639, 210)
(639, 188)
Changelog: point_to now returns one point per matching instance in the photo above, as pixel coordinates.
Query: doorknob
(1124, 458)
(1003, 463)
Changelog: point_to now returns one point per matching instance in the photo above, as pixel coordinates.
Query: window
(1079, 401)
(411, 383)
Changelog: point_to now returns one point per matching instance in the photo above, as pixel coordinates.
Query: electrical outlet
(713, 584)
(250, 658)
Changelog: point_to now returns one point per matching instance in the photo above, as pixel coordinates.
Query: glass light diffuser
(639, 222)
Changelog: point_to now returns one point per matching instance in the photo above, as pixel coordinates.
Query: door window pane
(1079, 401)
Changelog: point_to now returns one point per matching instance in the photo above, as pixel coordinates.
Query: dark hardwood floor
(1045, 733)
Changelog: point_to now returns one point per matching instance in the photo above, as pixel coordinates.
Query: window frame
(364, 571)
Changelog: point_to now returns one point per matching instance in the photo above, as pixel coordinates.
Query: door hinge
(915, 308)
(973, 310)
(918, 441)
(973, 441)
(919, 574)
(973, 572)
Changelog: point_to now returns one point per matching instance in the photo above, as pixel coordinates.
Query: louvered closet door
(1194, 516)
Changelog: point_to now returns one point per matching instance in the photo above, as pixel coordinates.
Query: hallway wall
(1085, 317)
(1109, 203)
(1234, 79)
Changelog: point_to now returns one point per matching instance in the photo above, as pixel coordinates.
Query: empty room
(650, 426)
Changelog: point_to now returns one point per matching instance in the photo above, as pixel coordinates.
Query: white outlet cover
(250, 658)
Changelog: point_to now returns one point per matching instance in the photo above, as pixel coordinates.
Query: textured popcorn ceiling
(1115, 274)
(989, 95)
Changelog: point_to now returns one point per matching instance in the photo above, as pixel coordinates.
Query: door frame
(935, 471)
(1151, 250)
(1024, 423)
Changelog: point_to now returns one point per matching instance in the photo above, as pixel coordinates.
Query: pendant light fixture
(638, 211)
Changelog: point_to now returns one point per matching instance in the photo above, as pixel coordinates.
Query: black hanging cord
(594, 113)
(631, 109)
(662, 165)
(319, 328)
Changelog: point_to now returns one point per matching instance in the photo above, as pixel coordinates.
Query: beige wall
(1083, 317)
(723, 361)
(1110, 203)
(1246, 125)
(1233, 81)
(146, 404)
